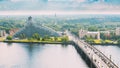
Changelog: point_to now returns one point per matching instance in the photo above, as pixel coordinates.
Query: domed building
(30, 28)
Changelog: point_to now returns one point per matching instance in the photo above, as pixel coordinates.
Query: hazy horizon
(67, 7)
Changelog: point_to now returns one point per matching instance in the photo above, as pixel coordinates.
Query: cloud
(81, 0)
(22, 0)
(29, 0)
(60, 0)
(68, 0)
(65, 5)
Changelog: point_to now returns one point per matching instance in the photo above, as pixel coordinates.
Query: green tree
(85, 37)
(55, 38)
(92, 28)
(46, 37)
(9, 37)
(36, 36)
(102, 36)
(22, 36)
(118, 41)
(64, 39)
(90, 40)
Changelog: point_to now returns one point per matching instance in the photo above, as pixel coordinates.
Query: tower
(29, 21)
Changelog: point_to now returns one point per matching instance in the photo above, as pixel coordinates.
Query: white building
(82, 33)
(2, 33)
(117, 31)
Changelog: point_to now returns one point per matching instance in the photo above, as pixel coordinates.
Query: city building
(96, 34)
(13, 31)
(83, 33)
(106, 33)
(31, 28)
(2, 33)
(117, 31)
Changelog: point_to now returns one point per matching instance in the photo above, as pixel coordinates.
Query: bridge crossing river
(95, 56)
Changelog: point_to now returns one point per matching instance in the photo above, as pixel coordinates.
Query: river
(23, 55)
(112, 50)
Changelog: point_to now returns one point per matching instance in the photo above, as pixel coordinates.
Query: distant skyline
(59, 7)
(58, 12)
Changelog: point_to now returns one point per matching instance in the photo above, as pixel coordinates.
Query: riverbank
(104, 44)
(2, 39)
(52, 42)
(41, 42)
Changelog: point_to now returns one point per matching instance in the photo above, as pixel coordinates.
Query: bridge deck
(97, 57)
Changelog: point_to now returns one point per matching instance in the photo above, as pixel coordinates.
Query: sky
(26, 7)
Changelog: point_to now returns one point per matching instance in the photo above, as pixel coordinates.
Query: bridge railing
(104, 58)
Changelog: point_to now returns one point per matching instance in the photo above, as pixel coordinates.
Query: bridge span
(95, 56)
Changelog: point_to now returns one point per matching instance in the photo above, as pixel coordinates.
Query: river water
(112, 50)
(23, 55)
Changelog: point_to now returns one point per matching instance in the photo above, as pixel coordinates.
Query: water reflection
(39, 56)
(111, 50)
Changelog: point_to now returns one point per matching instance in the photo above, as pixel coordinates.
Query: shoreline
(104, 44)
(45, 42)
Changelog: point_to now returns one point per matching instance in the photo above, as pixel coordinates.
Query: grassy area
(109, 41)
(97, 41)
(50, 40)
(100, 41)
(2, 38)
(38, 39)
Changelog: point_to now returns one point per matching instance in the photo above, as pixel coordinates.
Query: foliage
(92, 28)
(55, 38)
(2, 38)
(36, 36)
(118, 41)
(108, 41)
(74, 23)
(90, 40)
(8, 23)
(97, 41)
(22, 36)
(64, 39)
(9, 38)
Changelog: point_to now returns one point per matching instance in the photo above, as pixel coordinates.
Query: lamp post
(110, 57)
